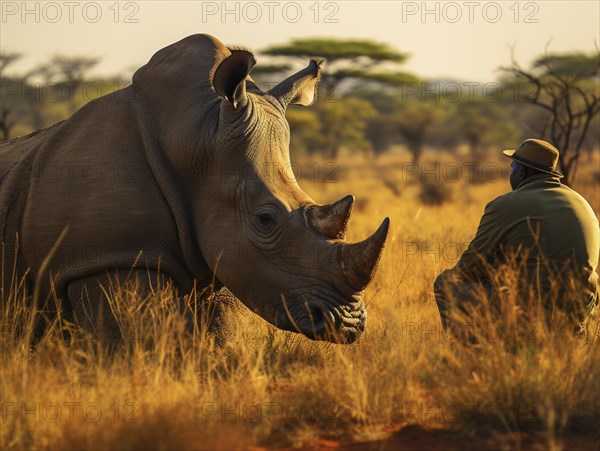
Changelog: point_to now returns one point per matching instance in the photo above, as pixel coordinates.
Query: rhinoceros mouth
(318, 320)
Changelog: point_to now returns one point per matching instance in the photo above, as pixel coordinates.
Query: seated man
(540, 220)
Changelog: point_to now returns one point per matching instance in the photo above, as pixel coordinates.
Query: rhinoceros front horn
(331, 221)
(359, 261)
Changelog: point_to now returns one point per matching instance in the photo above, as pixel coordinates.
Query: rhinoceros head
(270, 244)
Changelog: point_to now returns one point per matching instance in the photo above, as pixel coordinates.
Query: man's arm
(485, 243)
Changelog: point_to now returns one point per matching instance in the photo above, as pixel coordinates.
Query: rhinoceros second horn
(331, 220)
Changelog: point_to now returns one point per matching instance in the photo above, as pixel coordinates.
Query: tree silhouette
(6, 110)
(414, 122)
(357, 60)
(72, 69)
(351, 64)
(480, 122)
(567, 87)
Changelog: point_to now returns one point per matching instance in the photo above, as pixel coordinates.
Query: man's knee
(440, 285)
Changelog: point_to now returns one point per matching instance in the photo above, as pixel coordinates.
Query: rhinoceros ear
(230, 77)
(300, 88)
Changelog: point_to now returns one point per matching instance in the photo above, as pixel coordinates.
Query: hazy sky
(466, 40)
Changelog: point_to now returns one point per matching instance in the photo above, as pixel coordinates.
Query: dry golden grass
(268, 388)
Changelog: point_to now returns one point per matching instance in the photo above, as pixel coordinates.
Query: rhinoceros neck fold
(172, 191)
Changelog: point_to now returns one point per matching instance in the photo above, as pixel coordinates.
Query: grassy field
(402, 386)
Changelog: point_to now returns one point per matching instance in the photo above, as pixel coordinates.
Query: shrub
(434, 192)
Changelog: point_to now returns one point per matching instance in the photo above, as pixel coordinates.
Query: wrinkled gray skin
(185, 173)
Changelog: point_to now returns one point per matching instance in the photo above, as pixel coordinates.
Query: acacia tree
(481, 123)
(72, 69)
(6, 110)
(71, 72)
(350, 64)
(414, 123)
(349, 61)
(344, 124)
(380, 132)
(21, 100)
(330, 126)
(567, 87)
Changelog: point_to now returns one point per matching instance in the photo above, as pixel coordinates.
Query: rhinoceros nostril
(322, 323)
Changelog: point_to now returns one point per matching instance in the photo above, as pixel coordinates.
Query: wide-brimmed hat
(537, 154)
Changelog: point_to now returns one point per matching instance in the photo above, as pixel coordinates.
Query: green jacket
(562, 220)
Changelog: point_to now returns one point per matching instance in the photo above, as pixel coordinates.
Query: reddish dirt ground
(417, 437)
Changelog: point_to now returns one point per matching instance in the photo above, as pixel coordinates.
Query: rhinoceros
(184, 173)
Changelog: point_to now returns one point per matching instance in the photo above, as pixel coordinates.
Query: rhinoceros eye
(266, 219)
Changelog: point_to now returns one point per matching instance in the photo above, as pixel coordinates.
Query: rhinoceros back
(88, 176)
(107, 177)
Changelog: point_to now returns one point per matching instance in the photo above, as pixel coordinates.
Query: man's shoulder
(578, 203)
(500, 203)
(571, 193)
